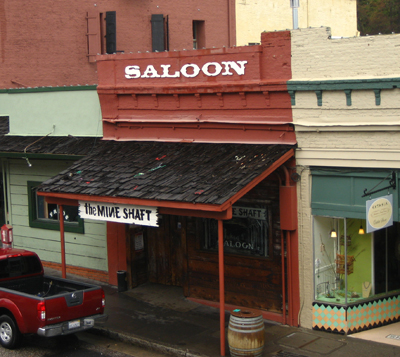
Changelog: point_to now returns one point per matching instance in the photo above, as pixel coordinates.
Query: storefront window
(245, 234)
(46, 216)
(351, 265)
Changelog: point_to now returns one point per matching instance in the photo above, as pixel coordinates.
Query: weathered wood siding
(87, 250)
(249, 281)
(167, 254)
(176, 257)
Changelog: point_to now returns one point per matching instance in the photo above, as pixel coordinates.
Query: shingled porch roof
(43, 146)
(190, 173)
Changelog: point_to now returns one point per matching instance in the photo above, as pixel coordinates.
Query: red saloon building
(195, 175)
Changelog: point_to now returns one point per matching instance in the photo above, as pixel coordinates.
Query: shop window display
(351, 265)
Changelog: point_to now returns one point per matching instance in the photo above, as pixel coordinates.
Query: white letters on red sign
(189, 70)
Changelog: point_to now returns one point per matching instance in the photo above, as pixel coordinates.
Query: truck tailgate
(73, 305)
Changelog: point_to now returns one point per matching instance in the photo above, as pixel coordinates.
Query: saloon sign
(140, 215)
(189, 70)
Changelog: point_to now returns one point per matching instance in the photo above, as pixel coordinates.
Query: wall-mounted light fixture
(28, 162)
(361, 230)
(333, 233)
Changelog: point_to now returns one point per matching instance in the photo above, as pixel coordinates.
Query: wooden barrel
(246, 333)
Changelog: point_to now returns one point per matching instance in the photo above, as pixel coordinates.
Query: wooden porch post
(221, 286)
(63, 265)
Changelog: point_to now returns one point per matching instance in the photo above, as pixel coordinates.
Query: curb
(147, 344)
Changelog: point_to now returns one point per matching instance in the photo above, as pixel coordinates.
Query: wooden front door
(138, 251)
(166, 251)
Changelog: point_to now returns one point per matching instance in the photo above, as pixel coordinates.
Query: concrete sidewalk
(158, 317)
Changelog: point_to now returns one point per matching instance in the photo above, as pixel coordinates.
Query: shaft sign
(139, 215)
(247, 212)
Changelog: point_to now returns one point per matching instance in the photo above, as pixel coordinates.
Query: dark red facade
(225, 95)
(212, 95)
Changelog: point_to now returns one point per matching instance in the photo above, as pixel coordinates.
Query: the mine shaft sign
(111, 212)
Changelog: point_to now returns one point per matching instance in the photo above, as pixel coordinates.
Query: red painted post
(221, 286)
(63, 265)
(289, 278)
(295, 280)
(283, 279)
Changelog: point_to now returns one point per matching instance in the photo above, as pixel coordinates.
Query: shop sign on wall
(379, 213)
(189, 70)
(139, 215)
(248, 212)
(139, 242)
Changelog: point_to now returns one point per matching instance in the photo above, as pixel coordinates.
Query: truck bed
(44, 286)
(32, 302)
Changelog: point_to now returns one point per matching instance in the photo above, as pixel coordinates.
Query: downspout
(283, 266)
(288, 249)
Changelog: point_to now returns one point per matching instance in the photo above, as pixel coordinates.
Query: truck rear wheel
(10, 337)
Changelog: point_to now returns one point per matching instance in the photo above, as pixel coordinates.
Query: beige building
(255, 16)
(346, 110)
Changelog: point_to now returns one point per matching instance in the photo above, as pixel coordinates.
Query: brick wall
(45, 44)
(333, 133)
(316, 56)
(305, 247)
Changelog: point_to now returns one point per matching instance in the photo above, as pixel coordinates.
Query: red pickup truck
(33, 303)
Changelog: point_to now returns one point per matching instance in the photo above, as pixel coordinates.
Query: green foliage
(378, 16)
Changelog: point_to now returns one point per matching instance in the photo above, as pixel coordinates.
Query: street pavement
(160, 318)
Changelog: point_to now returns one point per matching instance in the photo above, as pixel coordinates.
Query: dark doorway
(158, 255)
(138, 244)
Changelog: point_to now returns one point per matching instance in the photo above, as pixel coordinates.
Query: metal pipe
(294, 4)
(289, 263)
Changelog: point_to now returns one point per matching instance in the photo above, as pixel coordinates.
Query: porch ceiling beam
(227, 214)
(56, 197)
